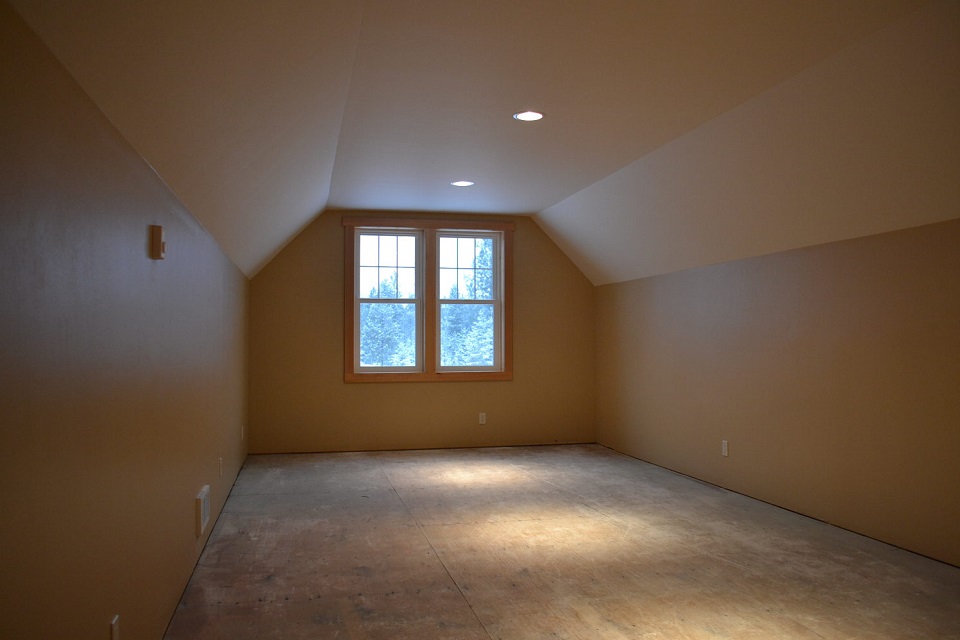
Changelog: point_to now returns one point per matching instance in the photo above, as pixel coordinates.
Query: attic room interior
(732, 308)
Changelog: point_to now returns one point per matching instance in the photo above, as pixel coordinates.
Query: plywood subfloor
(538, 542)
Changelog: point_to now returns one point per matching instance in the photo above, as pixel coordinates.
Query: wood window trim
(430, 227)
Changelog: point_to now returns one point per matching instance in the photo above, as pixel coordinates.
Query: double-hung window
(389, 299)
(427, 300)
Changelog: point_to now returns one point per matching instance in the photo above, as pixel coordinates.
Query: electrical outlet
(483, 418)
(724, 451)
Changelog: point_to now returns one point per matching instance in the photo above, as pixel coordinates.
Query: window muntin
(462, 328)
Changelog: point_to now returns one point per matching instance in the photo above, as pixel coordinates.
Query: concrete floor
(538, 542)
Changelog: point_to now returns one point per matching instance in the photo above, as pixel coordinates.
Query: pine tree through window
(427, 300)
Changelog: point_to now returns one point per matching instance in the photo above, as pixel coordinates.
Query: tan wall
(833, 372)
(122, 380)
(299, 402)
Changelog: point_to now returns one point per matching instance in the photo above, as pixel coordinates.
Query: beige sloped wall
(299, 402)
(863, 142)
(122, 379)
(833, 372)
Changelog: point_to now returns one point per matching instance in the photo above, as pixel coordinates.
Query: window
(389, 300)
(427, 300)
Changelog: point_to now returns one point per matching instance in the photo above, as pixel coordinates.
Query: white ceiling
(261, 115)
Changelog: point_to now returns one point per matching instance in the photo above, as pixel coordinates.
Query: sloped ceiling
(261, 115)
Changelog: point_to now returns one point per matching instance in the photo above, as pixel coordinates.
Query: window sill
(452, 376)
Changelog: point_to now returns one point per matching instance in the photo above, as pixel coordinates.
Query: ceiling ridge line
(346, 98)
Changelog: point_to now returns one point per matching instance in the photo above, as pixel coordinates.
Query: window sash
(494, 301)
(359, 302)
(496, 348)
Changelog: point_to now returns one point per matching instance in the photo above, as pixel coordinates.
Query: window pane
(388, 283)
(406, 282)
(466, 284)
(484, 284)
(368, 250)
(484, 253)
(466, 335)
(407, 251)
(369, 282)
(388, 251)
(448, 284)
(448, 253)
(466, 253)
(388, 334)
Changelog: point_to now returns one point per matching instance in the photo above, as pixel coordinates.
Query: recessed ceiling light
(528, 116)
(462, 183)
